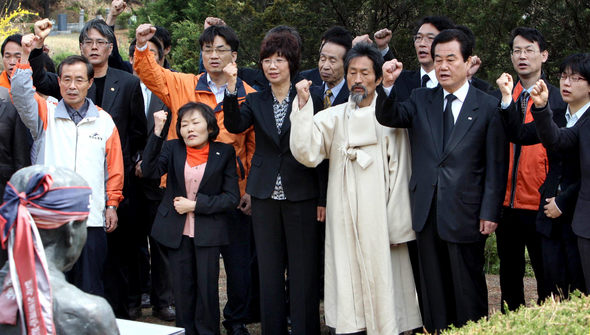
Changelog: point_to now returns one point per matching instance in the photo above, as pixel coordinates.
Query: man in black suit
(118, 93)
(333, 89)
(147, 196)
(457, 181)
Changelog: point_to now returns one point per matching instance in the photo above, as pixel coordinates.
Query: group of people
(360, 182)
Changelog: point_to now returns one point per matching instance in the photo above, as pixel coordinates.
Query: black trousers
(517, 230)
(148, 266)
(453, 283)
(87, 272)
(561, 260)
(584, 248)
(237, 260)
(286, 236)
(195, 277)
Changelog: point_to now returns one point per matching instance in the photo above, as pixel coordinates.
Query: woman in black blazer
(191, 222)
(284, 192)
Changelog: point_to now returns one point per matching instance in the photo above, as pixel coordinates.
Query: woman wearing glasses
(284, 192)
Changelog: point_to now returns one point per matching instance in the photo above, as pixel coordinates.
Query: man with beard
(368, 276)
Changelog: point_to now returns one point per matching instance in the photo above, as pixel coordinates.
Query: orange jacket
(176, 89)
(4, 82)
(523, 192)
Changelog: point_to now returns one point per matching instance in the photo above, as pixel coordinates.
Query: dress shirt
(335, 90)
(77, 115)
(433, 82)
(461, 94)
(218, 91)
(192, 179)
(147, 97)
(572, 119)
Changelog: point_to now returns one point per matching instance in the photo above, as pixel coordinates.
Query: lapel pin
(469, 118)
(217, 153)
(112, 89)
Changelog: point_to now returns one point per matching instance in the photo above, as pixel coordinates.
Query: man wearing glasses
(219, 47)
(527, 170)
(119, 94)
(76, 134)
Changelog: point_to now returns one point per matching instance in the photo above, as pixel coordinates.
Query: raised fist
(159, 121)
(231, 73)
(540, 94)
(505, 84)
(391, 71)
(43, 28)
(143, 34)
(303, 91)
(382, 38)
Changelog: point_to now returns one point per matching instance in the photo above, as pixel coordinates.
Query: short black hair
(529, 34)
(454, 35)
(226, 32)
(154, 40)
(468, 32)
(577, 63)
(337, 35)
(164, 35)
(207, 114)
(100, 26)
(366, 49)
(439, 22)
(16, 38)
(285, 44)
(70, 60)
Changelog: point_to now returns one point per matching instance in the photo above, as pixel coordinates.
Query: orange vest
(522, 190)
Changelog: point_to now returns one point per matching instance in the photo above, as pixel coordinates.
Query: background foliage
(564, 24)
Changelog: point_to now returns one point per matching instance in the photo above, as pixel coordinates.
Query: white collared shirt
(461, 94)
(335, 90)
(572, 119)
(433, 82)
(147, 97)
(218, 91)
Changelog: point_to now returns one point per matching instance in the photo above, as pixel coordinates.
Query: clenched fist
(143, 34)
(231, 74)
(303, 91)
(391, 71)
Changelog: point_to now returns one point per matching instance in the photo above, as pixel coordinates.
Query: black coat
(342, 97)
(468, 176)
(218, 192)
(578, 139)
(15, 139)
(272, 154)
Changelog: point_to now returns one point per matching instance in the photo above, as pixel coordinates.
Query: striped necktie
(327, 101)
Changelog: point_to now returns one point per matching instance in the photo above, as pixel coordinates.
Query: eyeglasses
(428, 38)
(573, 78)
(99, 43)
(276, 61)
(524, 52)
(219, 51)
(67, 81)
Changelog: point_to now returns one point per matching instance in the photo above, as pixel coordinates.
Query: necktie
(327, 96)
(523, 103)
(425, 79)
(448, 120)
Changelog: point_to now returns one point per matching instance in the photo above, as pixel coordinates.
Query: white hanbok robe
(369, 283)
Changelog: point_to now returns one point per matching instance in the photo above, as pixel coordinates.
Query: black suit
(562, 271)
(451, 188)
(145, 198)
(194, 262)
(313, 75)
(576, 137)
(285, 231)
(123, 100)
(341, 98)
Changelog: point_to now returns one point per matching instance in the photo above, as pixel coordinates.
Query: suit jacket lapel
(465, 120)
(342, 96)
(180, 161)
(287, 121)
(213, 159)
(111, 89)
(268, 115)
(435, 117)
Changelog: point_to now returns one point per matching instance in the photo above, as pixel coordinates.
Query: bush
(553, 317)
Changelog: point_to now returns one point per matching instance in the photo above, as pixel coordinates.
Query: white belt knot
(358, 155)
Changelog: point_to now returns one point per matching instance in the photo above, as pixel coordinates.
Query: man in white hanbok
(369, 286)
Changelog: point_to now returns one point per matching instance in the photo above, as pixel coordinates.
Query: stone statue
(74, 312)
